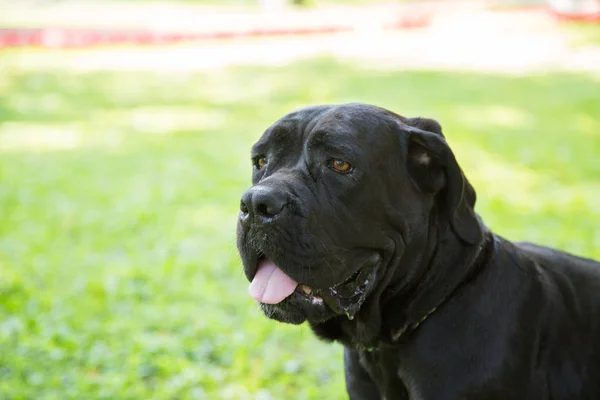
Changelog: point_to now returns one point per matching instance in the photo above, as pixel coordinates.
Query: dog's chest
(382, 366)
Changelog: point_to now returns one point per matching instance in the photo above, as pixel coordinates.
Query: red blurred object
(576, 10)
(89, 37)
(67, 37)
(594, 18)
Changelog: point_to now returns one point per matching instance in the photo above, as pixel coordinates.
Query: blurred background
(125, 130)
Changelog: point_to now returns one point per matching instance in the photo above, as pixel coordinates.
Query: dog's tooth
(306, 289)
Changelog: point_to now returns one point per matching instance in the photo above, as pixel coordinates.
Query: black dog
(361, 222)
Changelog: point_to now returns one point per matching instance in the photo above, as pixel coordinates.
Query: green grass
(119, 277)
(582, 33)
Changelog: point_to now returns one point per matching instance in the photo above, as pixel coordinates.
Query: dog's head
(342, 197)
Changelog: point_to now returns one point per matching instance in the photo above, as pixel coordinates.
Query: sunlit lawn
(119, 277)
(583, 34)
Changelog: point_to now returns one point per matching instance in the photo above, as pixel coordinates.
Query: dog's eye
(260, 162)
(341, 166)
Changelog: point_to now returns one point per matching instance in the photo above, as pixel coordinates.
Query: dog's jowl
(361, 223)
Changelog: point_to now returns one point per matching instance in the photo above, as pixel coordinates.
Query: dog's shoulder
(559, 260)
(571, 275)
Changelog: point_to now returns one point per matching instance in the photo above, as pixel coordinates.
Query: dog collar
(483, 254)
(412, 327)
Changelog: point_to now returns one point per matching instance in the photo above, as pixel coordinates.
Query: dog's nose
(262, 203)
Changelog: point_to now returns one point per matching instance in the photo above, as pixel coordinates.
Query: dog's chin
(298, 308)
(283, 314)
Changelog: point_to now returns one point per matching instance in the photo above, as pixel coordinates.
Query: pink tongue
(270, 284)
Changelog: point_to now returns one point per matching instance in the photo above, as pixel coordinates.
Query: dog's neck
(441, 275)
(442, 280)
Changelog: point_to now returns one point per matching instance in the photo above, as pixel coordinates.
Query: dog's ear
(434, 169)
(426, 124)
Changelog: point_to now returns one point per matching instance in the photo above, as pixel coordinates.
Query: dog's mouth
(271, 285)
(349, 296)
(309, 294)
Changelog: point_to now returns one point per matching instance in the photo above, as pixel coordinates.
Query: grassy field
(119, 277)
(583, 34)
